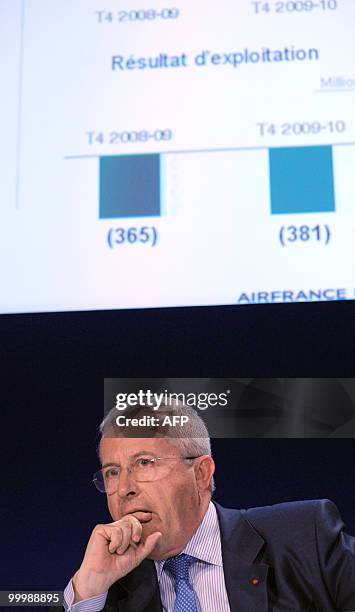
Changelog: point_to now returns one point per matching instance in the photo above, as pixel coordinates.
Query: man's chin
(164, 551)
(148, 529)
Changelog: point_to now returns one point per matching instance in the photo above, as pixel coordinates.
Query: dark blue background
(52, 371)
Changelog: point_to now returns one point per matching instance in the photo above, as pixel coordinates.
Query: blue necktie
(185, 595)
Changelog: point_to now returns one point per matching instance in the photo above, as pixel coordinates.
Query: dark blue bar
(129, 186)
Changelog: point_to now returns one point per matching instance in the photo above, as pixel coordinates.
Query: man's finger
(136, 530)
(116, 539)
(134, 523)
(126, 534)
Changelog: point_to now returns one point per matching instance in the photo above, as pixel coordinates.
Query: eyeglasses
(143, 469)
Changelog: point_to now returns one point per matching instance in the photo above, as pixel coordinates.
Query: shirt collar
(205, 543)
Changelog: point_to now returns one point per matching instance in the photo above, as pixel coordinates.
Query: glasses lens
(99, 481)
(106, 480)
(145, 469)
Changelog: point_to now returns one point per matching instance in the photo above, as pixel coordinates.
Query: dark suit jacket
(288, 557)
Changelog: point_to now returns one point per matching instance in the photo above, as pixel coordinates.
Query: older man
(169, 548)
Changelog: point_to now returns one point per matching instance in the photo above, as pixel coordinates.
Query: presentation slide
(162, 153)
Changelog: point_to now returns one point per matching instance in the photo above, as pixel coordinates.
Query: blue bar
(301, 180)
(129, 186)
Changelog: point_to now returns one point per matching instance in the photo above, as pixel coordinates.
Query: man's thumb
(152, 540)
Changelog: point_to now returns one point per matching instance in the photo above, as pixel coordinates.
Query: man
(169, 548)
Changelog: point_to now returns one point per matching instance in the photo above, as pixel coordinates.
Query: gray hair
(192, 438)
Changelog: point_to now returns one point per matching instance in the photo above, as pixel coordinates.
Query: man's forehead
(127, 447)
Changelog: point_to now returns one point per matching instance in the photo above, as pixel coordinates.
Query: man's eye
(145, 462)
(112, 473)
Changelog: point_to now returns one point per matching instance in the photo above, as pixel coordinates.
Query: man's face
(171, 505)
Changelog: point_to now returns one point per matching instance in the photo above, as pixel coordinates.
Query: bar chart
(301, 181)
(152, 161)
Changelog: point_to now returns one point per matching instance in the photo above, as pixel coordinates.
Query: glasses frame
(130, 469)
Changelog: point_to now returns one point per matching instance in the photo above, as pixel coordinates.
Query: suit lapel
(245, 576)
(136, 592)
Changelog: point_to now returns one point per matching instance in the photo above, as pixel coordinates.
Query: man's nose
(127, 486)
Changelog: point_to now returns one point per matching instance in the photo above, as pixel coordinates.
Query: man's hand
(112, 552)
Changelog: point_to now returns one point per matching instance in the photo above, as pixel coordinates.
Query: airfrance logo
(153, 400)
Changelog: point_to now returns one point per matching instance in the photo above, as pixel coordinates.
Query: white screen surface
(176, 154)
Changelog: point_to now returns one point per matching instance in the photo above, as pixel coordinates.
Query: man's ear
(204, 472)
